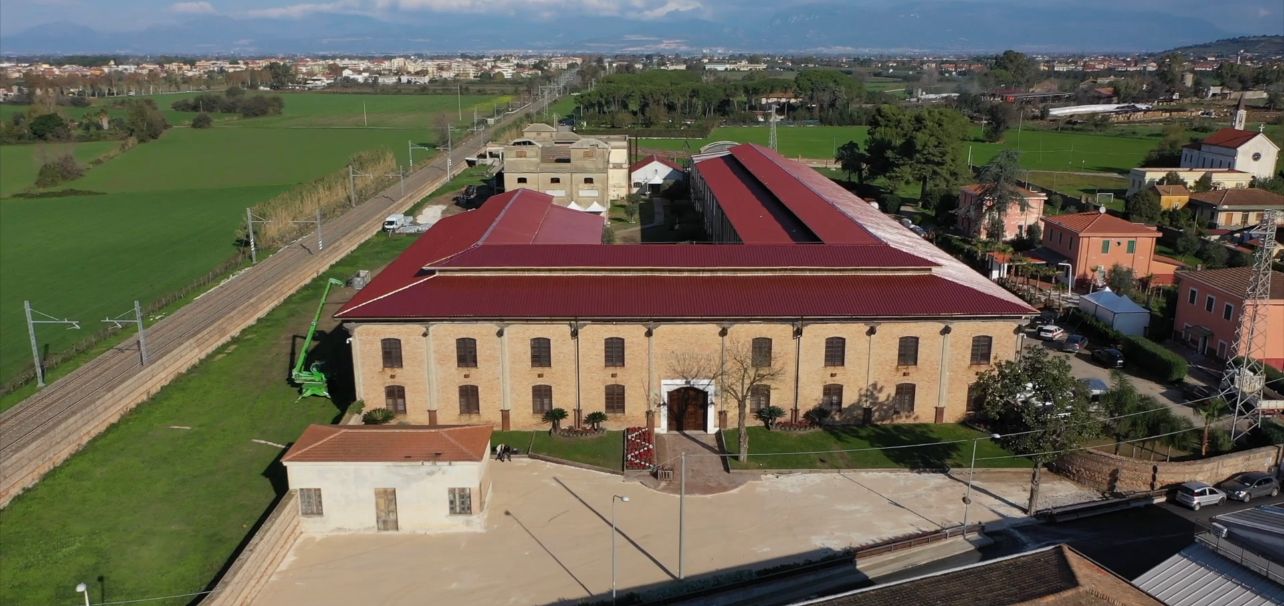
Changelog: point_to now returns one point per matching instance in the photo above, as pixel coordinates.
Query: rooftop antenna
(1245, 376)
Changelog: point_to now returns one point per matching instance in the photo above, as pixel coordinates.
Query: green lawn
(605, 451)
(172, 207)
(828, 443)
(1077, 185)
(19, 164)
(156, 509)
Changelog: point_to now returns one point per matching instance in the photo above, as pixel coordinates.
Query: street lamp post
(621, 499)
(1069, 275)
(83, 589)
(967, 498)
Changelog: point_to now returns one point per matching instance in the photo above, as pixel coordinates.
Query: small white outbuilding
(379, 478)
(1117, 311)
(653, 173)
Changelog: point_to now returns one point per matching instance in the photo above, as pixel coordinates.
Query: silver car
(1250, 485)
(1198, 494)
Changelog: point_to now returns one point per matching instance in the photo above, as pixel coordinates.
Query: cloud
(192, 8)
(637, 9)
(297, 11)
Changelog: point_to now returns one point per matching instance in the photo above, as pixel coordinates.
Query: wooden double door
(688, 409)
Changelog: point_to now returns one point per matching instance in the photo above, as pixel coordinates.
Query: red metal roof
(654, 158)
(713, 256)
(1100, 224)
(1230, 137)
(390, 444)
(685, 296)
(807, 194)
(757, 216)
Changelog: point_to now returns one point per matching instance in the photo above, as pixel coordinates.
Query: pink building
(975, 209)
(1209, 304)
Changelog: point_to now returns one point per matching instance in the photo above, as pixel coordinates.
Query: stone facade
(1117, 474)
(578, 375)
(575, 170)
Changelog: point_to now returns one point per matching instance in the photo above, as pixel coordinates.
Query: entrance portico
(688, 406)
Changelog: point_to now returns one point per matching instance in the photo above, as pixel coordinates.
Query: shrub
(202, 120)
(1155, 359)
(595, 419)
(378, 416)
(769, 414)
(50, 127)
(554, 418)
(57, 170)
(818, 415)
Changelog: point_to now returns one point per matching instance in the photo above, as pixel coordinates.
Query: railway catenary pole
(137, 320)
(31, 332)
(250, 220)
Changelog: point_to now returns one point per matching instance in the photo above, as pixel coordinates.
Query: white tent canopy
(1117, 311)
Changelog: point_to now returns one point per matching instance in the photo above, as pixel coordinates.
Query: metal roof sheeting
(1197, 576)
(711, 256)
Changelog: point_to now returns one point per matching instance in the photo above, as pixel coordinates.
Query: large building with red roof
(1088, 245)
(501, 313)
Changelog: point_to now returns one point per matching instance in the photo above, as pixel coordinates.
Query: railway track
(45, 429)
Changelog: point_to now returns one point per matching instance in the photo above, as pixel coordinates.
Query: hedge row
(1155, 359)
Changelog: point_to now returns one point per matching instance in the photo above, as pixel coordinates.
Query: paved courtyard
(547, 536)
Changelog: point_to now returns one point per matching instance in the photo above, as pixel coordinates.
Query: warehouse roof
(1198, 576)
(390, 444)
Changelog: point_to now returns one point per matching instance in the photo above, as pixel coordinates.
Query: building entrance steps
(706, 471)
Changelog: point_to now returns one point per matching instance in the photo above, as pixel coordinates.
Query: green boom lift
(312, 382)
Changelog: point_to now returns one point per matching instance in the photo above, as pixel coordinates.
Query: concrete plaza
(548, 536)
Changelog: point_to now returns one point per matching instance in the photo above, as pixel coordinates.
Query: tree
(852, 160)
(57, 170)
(554, 418)
(1013, 69)
(998, 118)
(1213, 254)
(1039, 408)
(202, 120)
(999, 190)
(595, 419)
(49, 127)
(740, 375)
(1189, 239)
(280, 75)
(768, 415)
(1204, 183)
(1172, 178)
(1144, 206)
(1122, 280)
(143, 121)
(1168, 152)
(1209, 412)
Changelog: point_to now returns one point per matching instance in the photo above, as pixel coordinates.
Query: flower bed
(794, 426)
(639, 448)
(579, 432)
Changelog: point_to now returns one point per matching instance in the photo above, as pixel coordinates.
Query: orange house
(1209, 304)
(1093, 242)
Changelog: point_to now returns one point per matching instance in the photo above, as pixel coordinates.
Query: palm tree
(1210, 412)
(554, 418)
(595, 419)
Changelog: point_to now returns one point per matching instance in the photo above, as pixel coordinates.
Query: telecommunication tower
(1245, 376)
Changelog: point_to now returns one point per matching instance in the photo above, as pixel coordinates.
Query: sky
(1237, 17)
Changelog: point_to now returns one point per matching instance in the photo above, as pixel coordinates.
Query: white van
(395, 222)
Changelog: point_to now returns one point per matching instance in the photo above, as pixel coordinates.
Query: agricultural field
(795, 141)
(19, 164)
(166, 212)
(158, 504)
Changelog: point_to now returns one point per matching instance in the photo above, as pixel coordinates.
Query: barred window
(394, 398)
(310, 502)
(759, 397)
(466, 352)
(469, 400)
(541, 398)
(761, 352)
(391, 349)
(835, 351)
(541, 353)
(903, 401)
(981, 349)
(907, 352)
(615, 399)
(614, 353)
(833, 398)
(461, 501)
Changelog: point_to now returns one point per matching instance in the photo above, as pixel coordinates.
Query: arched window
(835, 351)
(907, 352)
(466, 352)
(981, 349)
(394, 398)
(832, 398)
(541, 353)
(615, 399)
(541, 398)
(761, 352)
(469, 400)
(759, 397)
(614, 351)
(391, 349)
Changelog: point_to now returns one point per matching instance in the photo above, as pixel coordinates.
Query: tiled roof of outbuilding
(390, 444)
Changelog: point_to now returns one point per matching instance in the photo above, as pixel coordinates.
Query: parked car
(1044, 317)
(1198, 494)
(1195, 391)
(1095, 388)
(1109, 357)
(1074, 343)
(1249, 485)
(1051, 332)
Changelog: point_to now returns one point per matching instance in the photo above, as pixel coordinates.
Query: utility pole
(449, 153)
(365, 120)
(352, 190)
(250, 220)
(682, 517)
(1245, 376)
(320, 243)
(459, 101)
(31, 332)
(410, 159)
(137, 319)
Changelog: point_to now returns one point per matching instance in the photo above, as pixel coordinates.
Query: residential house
(582, 173)
(1242, 150)
(652, 174)
(382, 478)
(1222, 178)
(975, 211)
(1172, 197)
(1235, 208)
(500, 314)
(1209, 304)
(1093, 242)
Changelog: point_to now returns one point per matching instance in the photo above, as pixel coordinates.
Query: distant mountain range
(1261, 46)
(826, 26)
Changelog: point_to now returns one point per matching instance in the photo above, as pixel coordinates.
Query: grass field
(604, 451)
(154, 509)
(19, 164)
(829, 441)
(171, 208)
